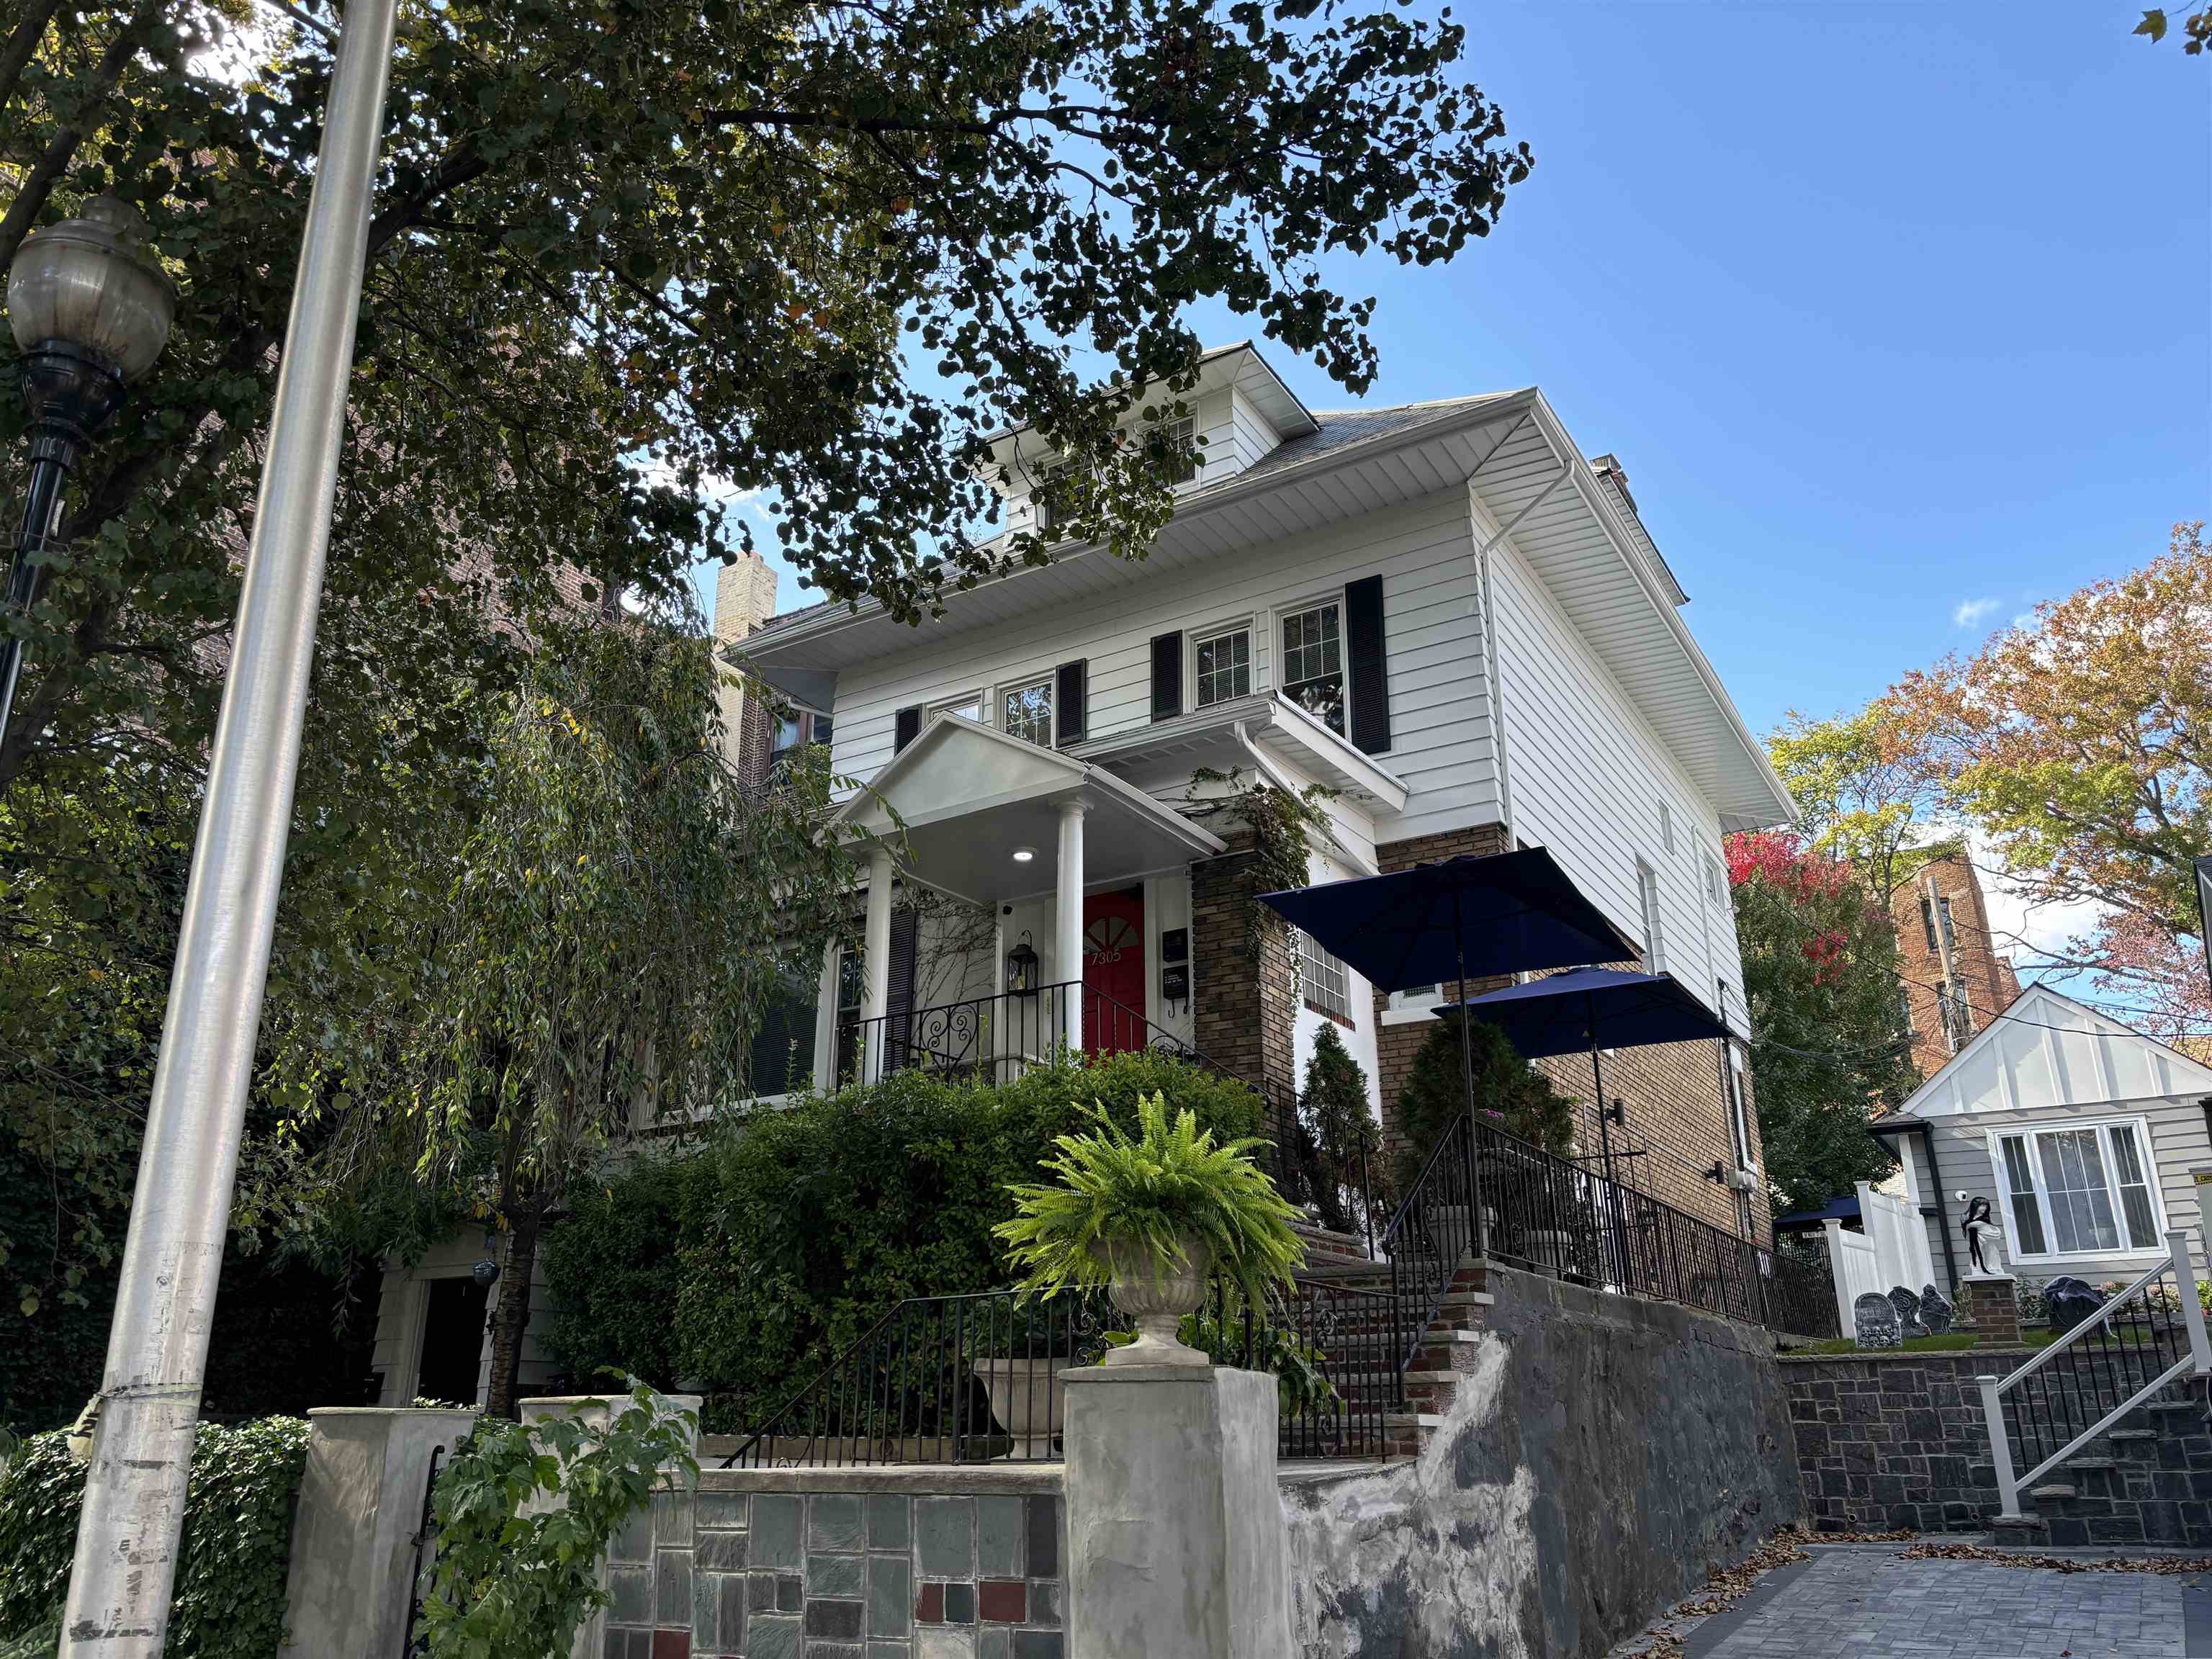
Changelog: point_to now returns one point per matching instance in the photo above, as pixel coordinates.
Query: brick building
(1955, 981)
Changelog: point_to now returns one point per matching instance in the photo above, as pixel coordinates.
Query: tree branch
(38, 184)
(23, 43)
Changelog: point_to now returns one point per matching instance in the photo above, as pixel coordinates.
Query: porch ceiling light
(1024, 855)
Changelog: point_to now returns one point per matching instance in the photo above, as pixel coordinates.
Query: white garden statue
(1984, 1240)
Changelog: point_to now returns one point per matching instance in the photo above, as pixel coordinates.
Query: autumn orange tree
(2080, 742)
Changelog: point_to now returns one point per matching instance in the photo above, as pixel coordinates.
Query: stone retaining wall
(1894, 1440)
(844, 1563)
(1601, 1455)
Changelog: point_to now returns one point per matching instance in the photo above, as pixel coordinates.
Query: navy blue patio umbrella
(1511, 913)
(1593, 1008)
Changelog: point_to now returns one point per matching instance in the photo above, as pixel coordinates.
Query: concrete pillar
(1068, 920)
(352, 1577)
(876, 963)
(1176, 1544)
(825, 1021)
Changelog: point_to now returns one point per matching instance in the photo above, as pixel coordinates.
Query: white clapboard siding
(1586, 773)
(1439, 716)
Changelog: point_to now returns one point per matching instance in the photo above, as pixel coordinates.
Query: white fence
(1892, 1251)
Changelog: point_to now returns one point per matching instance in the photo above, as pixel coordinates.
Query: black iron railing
(1485, 1191)
(977, 1378)
(1801, 1294)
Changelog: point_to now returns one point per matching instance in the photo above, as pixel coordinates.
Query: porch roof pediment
(969, 795)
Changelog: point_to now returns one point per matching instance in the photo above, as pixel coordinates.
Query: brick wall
(1676, 1107)
(1243, 1007)
(777, 1564)
(1396, 1044)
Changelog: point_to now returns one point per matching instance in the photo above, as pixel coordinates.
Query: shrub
(612, 1264)
(513, 1584)
(791, 1230)
(1340, 1139)
(1520, 1098)
(231, 1563)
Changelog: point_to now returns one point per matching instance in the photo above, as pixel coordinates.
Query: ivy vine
(231, 1562)
(1283, 824)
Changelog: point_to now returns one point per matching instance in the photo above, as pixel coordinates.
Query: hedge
(741, 1268)
(229, 1597)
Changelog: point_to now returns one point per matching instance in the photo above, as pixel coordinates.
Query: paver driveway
(1857, 1603)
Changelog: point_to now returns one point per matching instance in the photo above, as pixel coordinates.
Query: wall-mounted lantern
(1022, 970)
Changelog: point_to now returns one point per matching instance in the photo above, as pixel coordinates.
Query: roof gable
(2046, 1049)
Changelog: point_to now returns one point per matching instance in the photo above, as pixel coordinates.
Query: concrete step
(2088, 1463)
(2125, 1435)
(2044, 1494)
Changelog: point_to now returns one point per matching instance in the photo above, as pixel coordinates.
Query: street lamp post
(90, 318)
(149, 1395)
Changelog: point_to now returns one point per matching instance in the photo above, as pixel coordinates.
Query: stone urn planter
(1155, 1298)
(1026, 1399)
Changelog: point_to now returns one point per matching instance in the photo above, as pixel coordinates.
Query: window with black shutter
(1074, 694)
(1371, 680)
(898, 988)
(783, 1047)
(906, 726)
(1167, 676)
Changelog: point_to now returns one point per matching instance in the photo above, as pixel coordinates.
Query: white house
(2079, 1131)
(1443, 612)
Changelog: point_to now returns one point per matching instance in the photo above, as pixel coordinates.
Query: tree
(824, 250)
(612, 923)
(1342, 1143)
(2080, 743)
(1509, 1091)
(2196, 29)
(1865, 791)
(626, 261)
(1820, 970)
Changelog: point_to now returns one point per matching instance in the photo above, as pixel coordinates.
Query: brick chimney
(745, 597)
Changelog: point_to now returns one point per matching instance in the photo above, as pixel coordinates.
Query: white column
(1067, 921)
(1001, 1014)
(876, 963)
(825, 1021)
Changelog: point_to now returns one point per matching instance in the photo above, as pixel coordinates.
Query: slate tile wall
(725, 1574)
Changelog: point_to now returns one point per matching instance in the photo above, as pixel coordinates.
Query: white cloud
(2029, 934)
(1971, 611)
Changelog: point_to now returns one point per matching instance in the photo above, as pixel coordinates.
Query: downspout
(1942, 1214)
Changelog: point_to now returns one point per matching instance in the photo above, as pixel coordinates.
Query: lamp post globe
(89, 317)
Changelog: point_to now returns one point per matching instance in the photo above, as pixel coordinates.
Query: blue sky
(1888, 309)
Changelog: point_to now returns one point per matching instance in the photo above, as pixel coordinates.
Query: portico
(1045, 844)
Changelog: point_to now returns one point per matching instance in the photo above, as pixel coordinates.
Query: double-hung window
(1716, 883)
(2079, 1189)
(1222, 665)
(1313, 662)
(1027, 711)
(1322, 981)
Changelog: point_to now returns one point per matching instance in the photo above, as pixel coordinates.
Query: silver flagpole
(134, 1495)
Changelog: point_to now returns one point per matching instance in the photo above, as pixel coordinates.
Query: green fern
(1166, 1185)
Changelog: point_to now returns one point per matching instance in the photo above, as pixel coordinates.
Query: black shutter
(1167, 676)
(1371, 682)
(783, 1047)
(1069, 715)
(906, 726)
(898, 988)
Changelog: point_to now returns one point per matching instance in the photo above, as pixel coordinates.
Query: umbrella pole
(1467, 1082)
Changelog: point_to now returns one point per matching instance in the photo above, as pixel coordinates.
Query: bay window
(2079, 1189)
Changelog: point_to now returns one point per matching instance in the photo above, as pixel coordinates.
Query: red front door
(1114, 971)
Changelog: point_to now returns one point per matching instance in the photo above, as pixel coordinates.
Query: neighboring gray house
(2080, 1132)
